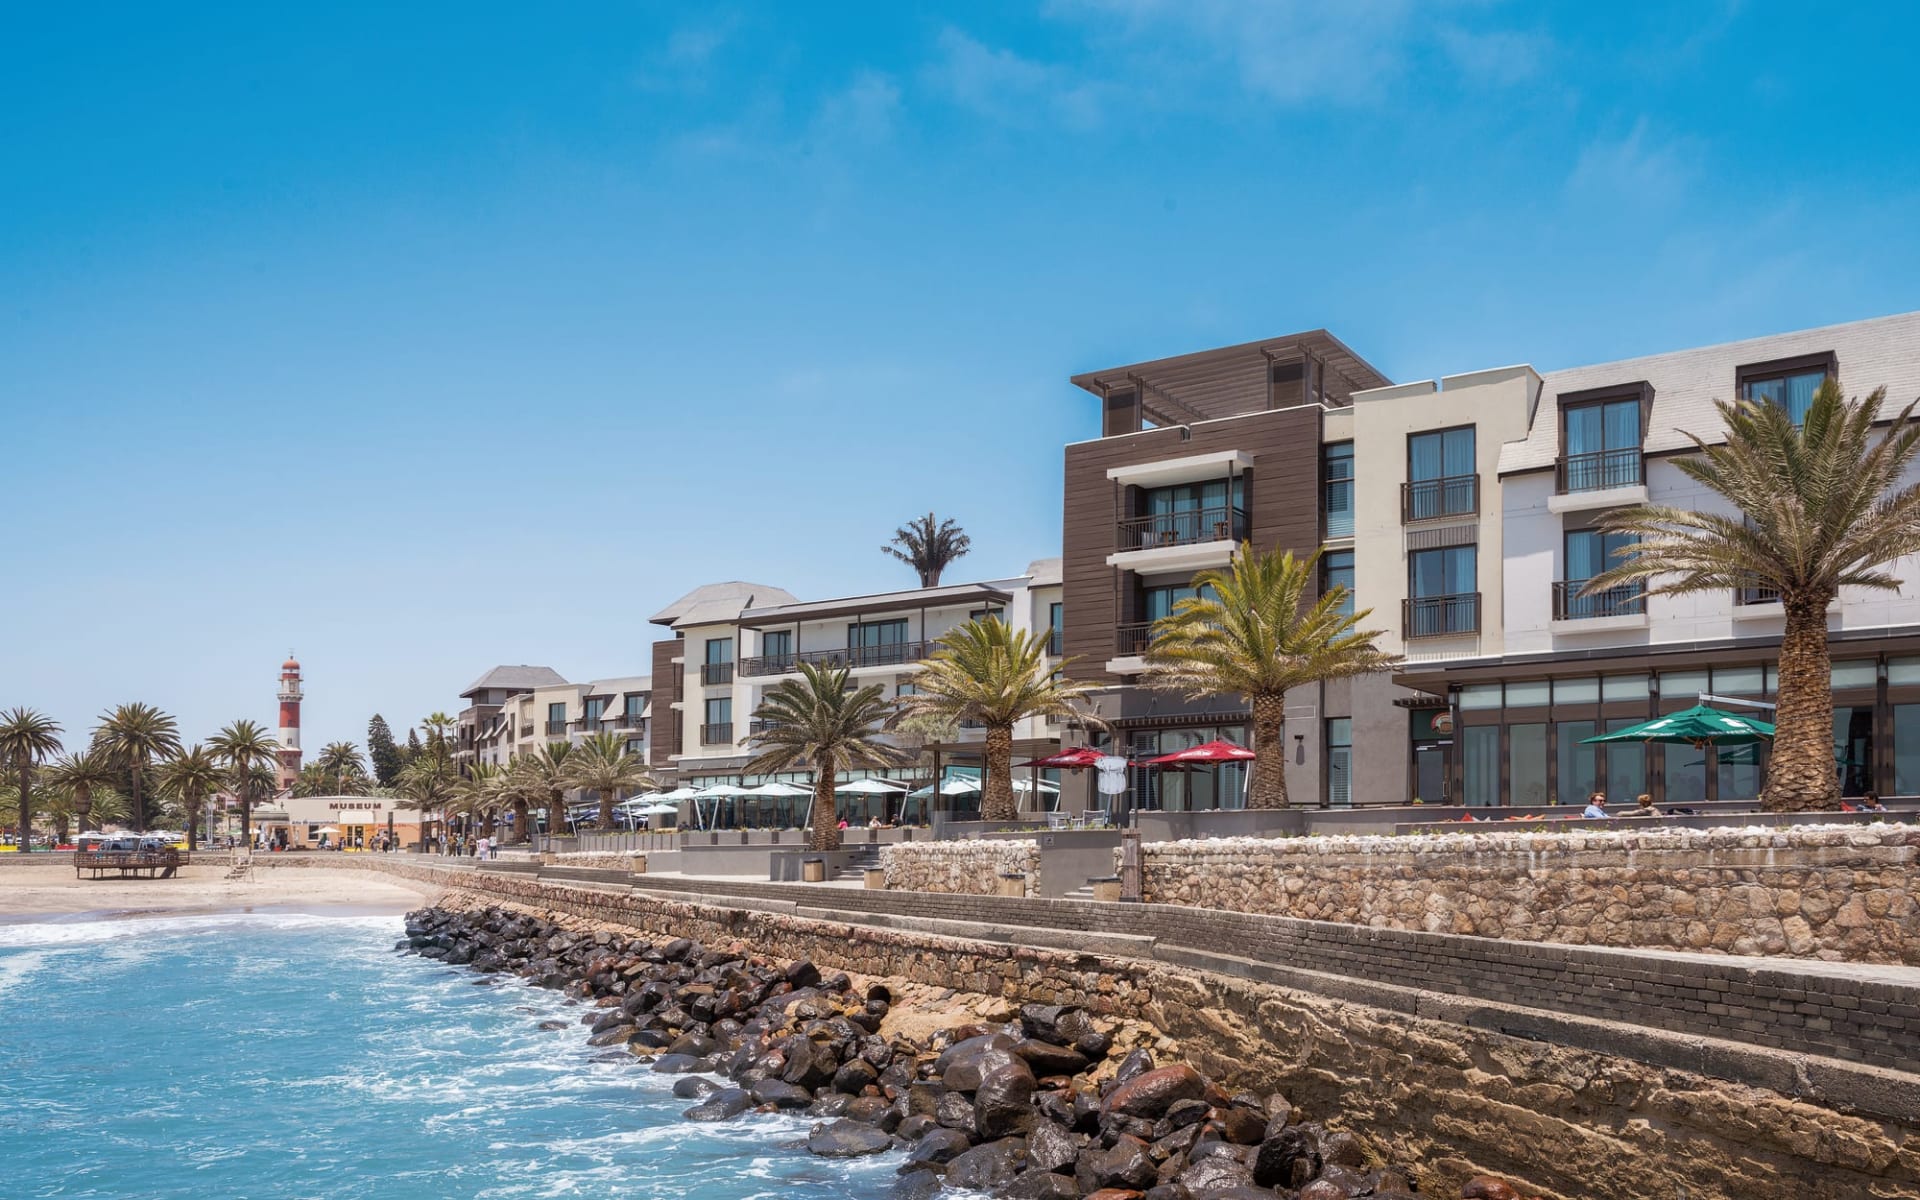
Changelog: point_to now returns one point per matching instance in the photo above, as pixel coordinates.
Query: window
(1336, 570)
(1340, 762)
(1527, 763)
(1441, 597)
(1790, 383)
(1056, 628)
(777, 644)
(1187, 513)
(719, 723)
(1601, 442)
(1480, 760)
(1441, 477)
(718, 667)
(1906, 749)
(594, 709)
(636, 706)
(1336, 474)
(1577, 762)
(1588, 553)
(720, 650)
(1853, 747)
(877, 641)
(1160, 601)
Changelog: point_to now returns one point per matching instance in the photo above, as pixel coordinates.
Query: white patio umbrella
(872, 787)
(716, 793)
(948, 787)
(777, 788)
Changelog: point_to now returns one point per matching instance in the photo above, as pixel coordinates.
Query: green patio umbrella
(1698, 726)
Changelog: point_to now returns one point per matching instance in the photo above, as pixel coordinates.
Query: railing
(1440, 616)
(1599, 470)
(556, 727)
(1186, 527)
(716, 672)
(887, 655)
(758, 726)
(1432, 499)
(1132, 639)
(627, 721)
(1054, 640)
(1336, 500)
(716, 735)
(1626, 600)
(1756, 595)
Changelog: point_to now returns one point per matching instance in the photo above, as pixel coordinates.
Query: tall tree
(190, 778)
(439, 727)
(1250, 631)
(244, 748)
(341, 762)
(929, 546)
(382, 753)
(549, 765)
(27, 738)
(987, 672)
(414, 748)
(1816, 507)
(819, 722)
(136, 734)
(427, 786)
(91, 770)
(603, 764)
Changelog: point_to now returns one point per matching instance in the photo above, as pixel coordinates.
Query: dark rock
(694, 1087)
(1213, 1174)
(1288, 1159)
(829, 1104)
(965, 1073)
(1151, 1093)
(873, 1110)
(1182, 1113)
(847, 1139)
(1056, 1106)
(780, 1094)
(1324, 1189)
(940, 1146)
(1167, 1191)
(720, 1106)
(917, 1185)
(1002, 1104)
(1036, 1184)
(1126, 1164)
(955, 1112)
(924, 1098)
(1094, 1045)
(693, 1045)
(553, 1024)
(1175, 1144)
(1050, 1147)
(854, 1077)
(675, 1064)
(968, 1048)
(802, 974)
(1137, 1063)
(1242, 1126)
(613, 1036)
(1048, 1059)
(915, 1127)
(989, 1166)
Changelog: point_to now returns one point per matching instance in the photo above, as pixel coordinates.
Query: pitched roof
(516, 678)
(717, 602)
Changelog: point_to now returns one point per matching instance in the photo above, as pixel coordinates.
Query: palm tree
(105, 805)
(136, 734)
(427, 785)
(928, 546)
(602, 764)
(245, 748)
(819, 722)
(525, 787)
(479, 793)
(1250, 631)
(438, 725)
(1817, 507)
(987, 673)
(341, 761)
(549, 765)
(81, 774)
(27, 738)
(190, 778)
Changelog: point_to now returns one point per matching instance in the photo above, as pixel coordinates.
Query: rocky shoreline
(1042, 1107)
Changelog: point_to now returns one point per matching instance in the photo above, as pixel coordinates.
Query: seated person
(1596, 809)
(1871, 803)
(1643, 807)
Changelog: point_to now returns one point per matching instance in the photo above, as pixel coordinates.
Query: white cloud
(862, 113)
(1007, 87)
(1640, 169)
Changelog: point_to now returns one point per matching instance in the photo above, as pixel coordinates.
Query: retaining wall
(971, 867)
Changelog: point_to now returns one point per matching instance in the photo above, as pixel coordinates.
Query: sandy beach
(35, 891)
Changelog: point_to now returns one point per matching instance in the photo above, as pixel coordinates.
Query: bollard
(876, 879)
(1012, 883)
(813, 870)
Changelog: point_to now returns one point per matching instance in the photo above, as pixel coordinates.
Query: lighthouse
(289, 752)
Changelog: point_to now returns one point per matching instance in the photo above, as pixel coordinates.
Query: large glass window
(1588, 553)
(1440, 586)
(1853, 747)
(1056, 628)
(1441, 476)
(1193, 512)
(1340, 762)
(1480, 759)
(1739, 769)
(1158, 602)
(1336, 570)
(1336, 472)
(1626, 765)
(1527, 763)
(777, 643)
(1603, 445)
(1793, 390)
(877, 642)
(1906, 749)
(1686, 775)
(594, 710)
(1578, 764)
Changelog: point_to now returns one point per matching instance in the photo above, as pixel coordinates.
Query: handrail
(885, 655)
(1598, 470)
(1622, 600)
(1440, 616)
(1185, 527)
(1434, 499)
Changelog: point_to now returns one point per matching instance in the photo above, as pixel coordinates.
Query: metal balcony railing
(1132, 638)
(716, 734)
(554, 728)
(885, 655)
(711, 673)
(1626, 600)
(1187, 527)
(1434, 499)
(1440, 616)
(1599, 470)
(1756, 595)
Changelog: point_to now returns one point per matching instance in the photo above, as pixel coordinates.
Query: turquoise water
(276, 1057)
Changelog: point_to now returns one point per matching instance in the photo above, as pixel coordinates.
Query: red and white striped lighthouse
(289, 753)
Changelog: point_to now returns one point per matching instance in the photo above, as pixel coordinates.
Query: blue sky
(420, 338)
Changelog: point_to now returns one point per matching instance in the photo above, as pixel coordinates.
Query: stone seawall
(1461, 1098)
(962, 868)
(1836, 893)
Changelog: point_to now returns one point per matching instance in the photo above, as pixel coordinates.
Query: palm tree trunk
(139, 816)
(606, 811)
(83, 806)
(1269, 786)
(193, 825)
(556, 815)
(246, 822)
(26, 809)
(520, 833)
(824, 833)
(59, 829)
(996, 803)
(1800, 772)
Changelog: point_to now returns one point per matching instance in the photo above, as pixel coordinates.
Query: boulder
(969, 1047)
(854, 1077)
(1050, 1147)
(917, 1185)
(1036, 1184)
(1137, 1063)
(694, 1087)
(1242, 1126)
(1324, 1189)
(829, 1104)
(780, 1094)
(1002, 1104)
(964, 1074)
(940, 1146)
(847, 1139)
(1150, 1094)
(1125, 1164)
(1287, 1160)
(955, 1112)
(675, 1064)
(1213, 1174)
(915, 1127)
(989, 1166)
(720, 1106)
(1048, 1059)
(873, 1110)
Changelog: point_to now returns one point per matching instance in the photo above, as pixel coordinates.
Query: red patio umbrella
(1205, 752)
(1079, 759)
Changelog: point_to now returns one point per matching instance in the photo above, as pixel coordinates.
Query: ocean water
(277, 1057)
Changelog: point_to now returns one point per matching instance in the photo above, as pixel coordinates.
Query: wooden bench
(129, 864)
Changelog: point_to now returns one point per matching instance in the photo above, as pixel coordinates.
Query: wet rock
(989, 1166)
(1213, 1174)
(917, 1185)
(855, 1077)
(924, 1098)
(1048, 1059)
(964, 1074)
(780, 1094)
(614, 1036)
(1050, 1147)
(847, 1139)
(722, 1105)
(940, 1146)
(955, 1112)
(1126, 1164)
(1036, 1184)
(1137, 1063)
(1002, 1104)
(832, 1104)
(675, 1064)
(873, 1110)
(1182, 1113)
(915, 1127)
(694, 1087)
(553, 1024)
(1151, 1093)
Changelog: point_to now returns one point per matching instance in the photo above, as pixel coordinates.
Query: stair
(859, 858)
(1083, 892)
(242, 868)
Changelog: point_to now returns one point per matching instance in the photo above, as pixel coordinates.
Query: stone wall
(963, 868)
(1460, 1096)
(1828, 893)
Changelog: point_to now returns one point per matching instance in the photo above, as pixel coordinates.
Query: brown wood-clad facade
(663, 738)
(1282, 498)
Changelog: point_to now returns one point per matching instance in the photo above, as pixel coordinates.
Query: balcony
(1440, 616)
(556, 728)
(1611, 605)
(712, 673)
(888, 655)
(717, 735)
(1756, 595)
(1132, 639)
(1054, 643)
(1602, 479)
(1187, 527)
(1439, 499)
